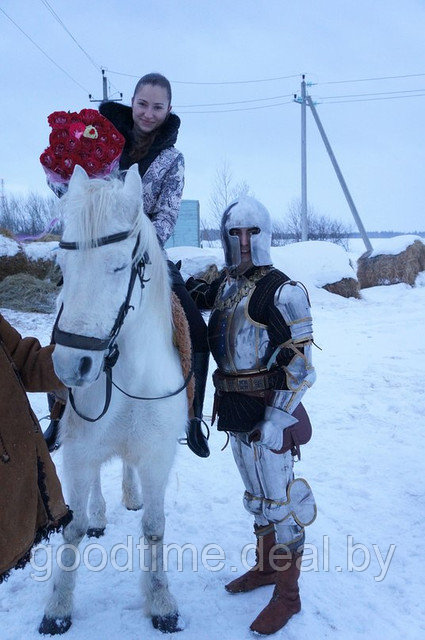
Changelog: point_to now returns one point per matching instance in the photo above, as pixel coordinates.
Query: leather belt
(249, 383)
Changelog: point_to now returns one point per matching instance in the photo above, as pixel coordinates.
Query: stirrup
(51, 436)
(195, 439)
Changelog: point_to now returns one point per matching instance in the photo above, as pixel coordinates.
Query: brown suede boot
(262, 573)
(285, 600)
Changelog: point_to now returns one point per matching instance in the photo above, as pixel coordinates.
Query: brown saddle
(181, 339)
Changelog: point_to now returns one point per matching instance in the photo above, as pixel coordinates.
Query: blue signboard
(187, 231)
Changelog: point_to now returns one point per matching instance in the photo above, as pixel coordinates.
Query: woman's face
(150, 107)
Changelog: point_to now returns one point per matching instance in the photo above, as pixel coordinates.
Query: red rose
(69, 164)
(93, 166)
(47, 158)
(87, 144)
(58, 149)
(74, 117)
(113, 152)
(58, 136)
(58, 119)
(100, 152)
(117, 137)
(90, 116)
(72, 144)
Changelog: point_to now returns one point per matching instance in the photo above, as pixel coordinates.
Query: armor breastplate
(238, 344)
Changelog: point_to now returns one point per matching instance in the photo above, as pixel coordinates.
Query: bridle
(87, 343)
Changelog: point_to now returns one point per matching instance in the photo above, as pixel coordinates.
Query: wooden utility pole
(105, 98)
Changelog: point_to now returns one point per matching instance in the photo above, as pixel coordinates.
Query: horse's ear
(133, 183)
(79, 176)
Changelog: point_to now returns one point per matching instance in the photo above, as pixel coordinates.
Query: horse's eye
(120, 268)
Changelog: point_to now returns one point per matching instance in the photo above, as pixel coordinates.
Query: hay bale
(28, 258)
(209, 274)
(10, 265)
(7, 233)
(21, 263)
(50, 237)
(347, 287)
(385, 269)
(42, 269)
(24, 292)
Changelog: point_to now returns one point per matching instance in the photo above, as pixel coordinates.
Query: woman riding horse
(150, 130)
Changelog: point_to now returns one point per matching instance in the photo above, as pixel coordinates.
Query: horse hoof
(95, 532)
(167, 624)
(136, 507)
(54, 626)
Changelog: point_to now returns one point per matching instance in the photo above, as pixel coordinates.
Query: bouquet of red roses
(86, 138)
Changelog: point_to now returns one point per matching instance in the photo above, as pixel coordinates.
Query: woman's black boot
(196, 441)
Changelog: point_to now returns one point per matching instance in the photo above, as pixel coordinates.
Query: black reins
(87, 343)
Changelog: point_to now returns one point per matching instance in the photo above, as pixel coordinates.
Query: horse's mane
(100, 208)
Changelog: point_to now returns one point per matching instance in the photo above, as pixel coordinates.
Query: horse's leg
(160, 603)
(58, 610)
(97, 509)
(131, 496)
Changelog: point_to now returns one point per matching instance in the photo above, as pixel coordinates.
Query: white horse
(131, 499)
(115, 300)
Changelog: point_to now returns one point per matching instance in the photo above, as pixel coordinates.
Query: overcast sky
(378, 142)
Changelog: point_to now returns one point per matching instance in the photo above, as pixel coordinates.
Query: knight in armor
(260, 335)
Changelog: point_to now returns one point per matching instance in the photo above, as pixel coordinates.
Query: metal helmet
(246, 212)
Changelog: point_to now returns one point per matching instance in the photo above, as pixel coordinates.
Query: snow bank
(40, 250)
(361, 574)
(8, 247)
(196, 259)
(315, 263)
(392, 246)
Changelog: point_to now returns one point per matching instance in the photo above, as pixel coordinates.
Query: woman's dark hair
(155, 79)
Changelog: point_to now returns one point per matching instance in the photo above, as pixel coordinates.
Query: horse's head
(105, 238)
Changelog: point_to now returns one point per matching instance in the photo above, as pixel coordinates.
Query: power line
(417, 95)
(94, 63)
(265, 106)
(387, 95)
(43, 52)
(129, 75)
(380, 93)
(55, 15)
(217, 104)
(329, 100)
(411, 75)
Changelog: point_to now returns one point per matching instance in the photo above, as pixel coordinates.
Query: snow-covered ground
(363, 568)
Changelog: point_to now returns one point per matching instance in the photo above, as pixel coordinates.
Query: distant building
(187, 229)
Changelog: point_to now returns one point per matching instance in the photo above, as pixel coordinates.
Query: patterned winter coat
(31, 500)
(161, 170)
